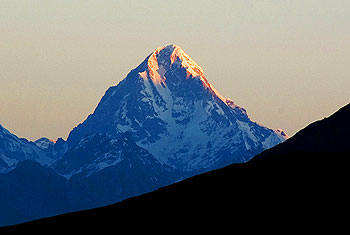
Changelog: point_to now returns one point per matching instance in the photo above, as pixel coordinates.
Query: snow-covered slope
(97, 152)
(170, 109)
(14, 149)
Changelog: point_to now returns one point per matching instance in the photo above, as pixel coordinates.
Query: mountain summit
(171, 110)
(171, 57)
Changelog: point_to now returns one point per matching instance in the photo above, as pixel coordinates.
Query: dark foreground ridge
(301, 180)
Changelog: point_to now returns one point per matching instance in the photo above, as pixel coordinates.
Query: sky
(286, 62)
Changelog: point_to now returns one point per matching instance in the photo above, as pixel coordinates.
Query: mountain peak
(169, 57)
(44, 143)
(172, 58)
(170, 47)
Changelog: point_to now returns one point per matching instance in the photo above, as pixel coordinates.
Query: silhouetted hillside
(302, 180)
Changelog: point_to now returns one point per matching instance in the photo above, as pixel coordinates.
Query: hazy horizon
(287, 63)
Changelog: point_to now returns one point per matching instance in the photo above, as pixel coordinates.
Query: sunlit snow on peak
(172, 57)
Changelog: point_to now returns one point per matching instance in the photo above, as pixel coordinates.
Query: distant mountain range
(14, 150)
(301, 183)
(163, 123)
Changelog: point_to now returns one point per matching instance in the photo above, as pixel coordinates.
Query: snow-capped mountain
(14, 149)
(164, 122)
(44, 143)
(53, 148)
(170, 109)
